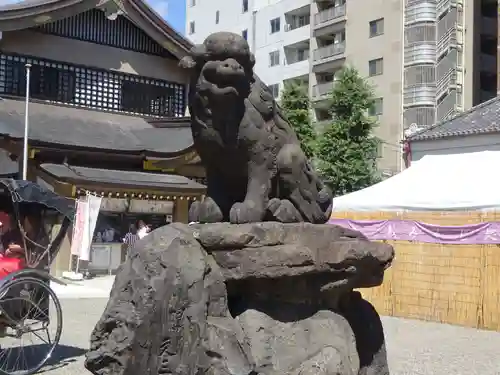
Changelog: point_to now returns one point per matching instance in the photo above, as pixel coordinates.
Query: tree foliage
(296, 107)
(347, 152)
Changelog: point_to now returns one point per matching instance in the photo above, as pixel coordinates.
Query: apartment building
(450, 58)
(427, 59)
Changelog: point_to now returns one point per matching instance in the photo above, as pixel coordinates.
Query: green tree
(296, 107)
(347, 151)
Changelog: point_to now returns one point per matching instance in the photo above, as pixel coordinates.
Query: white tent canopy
(462, 182)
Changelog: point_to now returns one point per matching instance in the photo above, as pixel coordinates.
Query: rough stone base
(264, 298)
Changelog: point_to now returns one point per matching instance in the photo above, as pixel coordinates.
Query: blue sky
(174, 11)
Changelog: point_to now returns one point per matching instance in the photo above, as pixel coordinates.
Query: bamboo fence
(455, 284)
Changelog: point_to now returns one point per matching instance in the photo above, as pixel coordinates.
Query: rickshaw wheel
(25, 310)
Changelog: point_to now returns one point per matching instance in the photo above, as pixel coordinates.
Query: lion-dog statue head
(221, 77)
(223, 64)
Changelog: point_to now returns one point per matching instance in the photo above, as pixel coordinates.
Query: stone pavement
(98, 287)
(414, 347)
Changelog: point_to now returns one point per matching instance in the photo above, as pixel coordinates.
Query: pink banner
(408, 230)
(78, 226)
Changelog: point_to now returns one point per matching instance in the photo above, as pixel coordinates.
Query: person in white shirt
(143, 229)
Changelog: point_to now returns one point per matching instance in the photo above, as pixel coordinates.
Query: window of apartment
(328, 77)
(217, 17)
(192, 3)
(245, 6)
(302, 54)
(489, 45)
(378, 107)
(489, 9)
(304, 20)
(244, 34)
(487, 81)
(191, 27)
(375, 67)
(275, 89)
(275, 25)
(376, 27)
(274, 58)
(300, 21)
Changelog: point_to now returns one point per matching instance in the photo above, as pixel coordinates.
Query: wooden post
(181, 209)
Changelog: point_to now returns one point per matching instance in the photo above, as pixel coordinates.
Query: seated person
(11, 239)
(12, 256)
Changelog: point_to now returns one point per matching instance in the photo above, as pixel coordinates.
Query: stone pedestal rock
(265, 298)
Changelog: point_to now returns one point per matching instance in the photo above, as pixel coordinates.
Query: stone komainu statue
(256, 170)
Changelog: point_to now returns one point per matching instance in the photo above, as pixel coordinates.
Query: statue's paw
(246, 212)
(284, 211)
(206, 211)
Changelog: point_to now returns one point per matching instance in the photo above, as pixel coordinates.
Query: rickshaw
(29, 308)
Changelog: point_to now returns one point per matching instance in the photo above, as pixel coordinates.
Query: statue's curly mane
(262, 98)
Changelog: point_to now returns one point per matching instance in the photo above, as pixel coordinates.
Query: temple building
(107, 106)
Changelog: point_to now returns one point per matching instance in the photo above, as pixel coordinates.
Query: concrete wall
(265, 42)
(231, 18)
(455, 145)
(360, 49)
(257, 23)
(73, 51)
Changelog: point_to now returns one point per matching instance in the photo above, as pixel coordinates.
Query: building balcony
(420, 12)
(329, 21)
(294, 57)
(328, 16)
(328, 53)
(450, 61)
(322, 91)
(81, 86)
(449, 20)
(297, 34)
(297, 24)
(447, 82)
(420, 53)
(296, 65)
(449, 40)
(443, 6)
(448, 107)
(421, 116)
(424, 94)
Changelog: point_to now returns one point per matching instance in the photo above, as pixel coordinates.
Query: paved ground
(421, 348)
(98, 287)
(414, 347)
